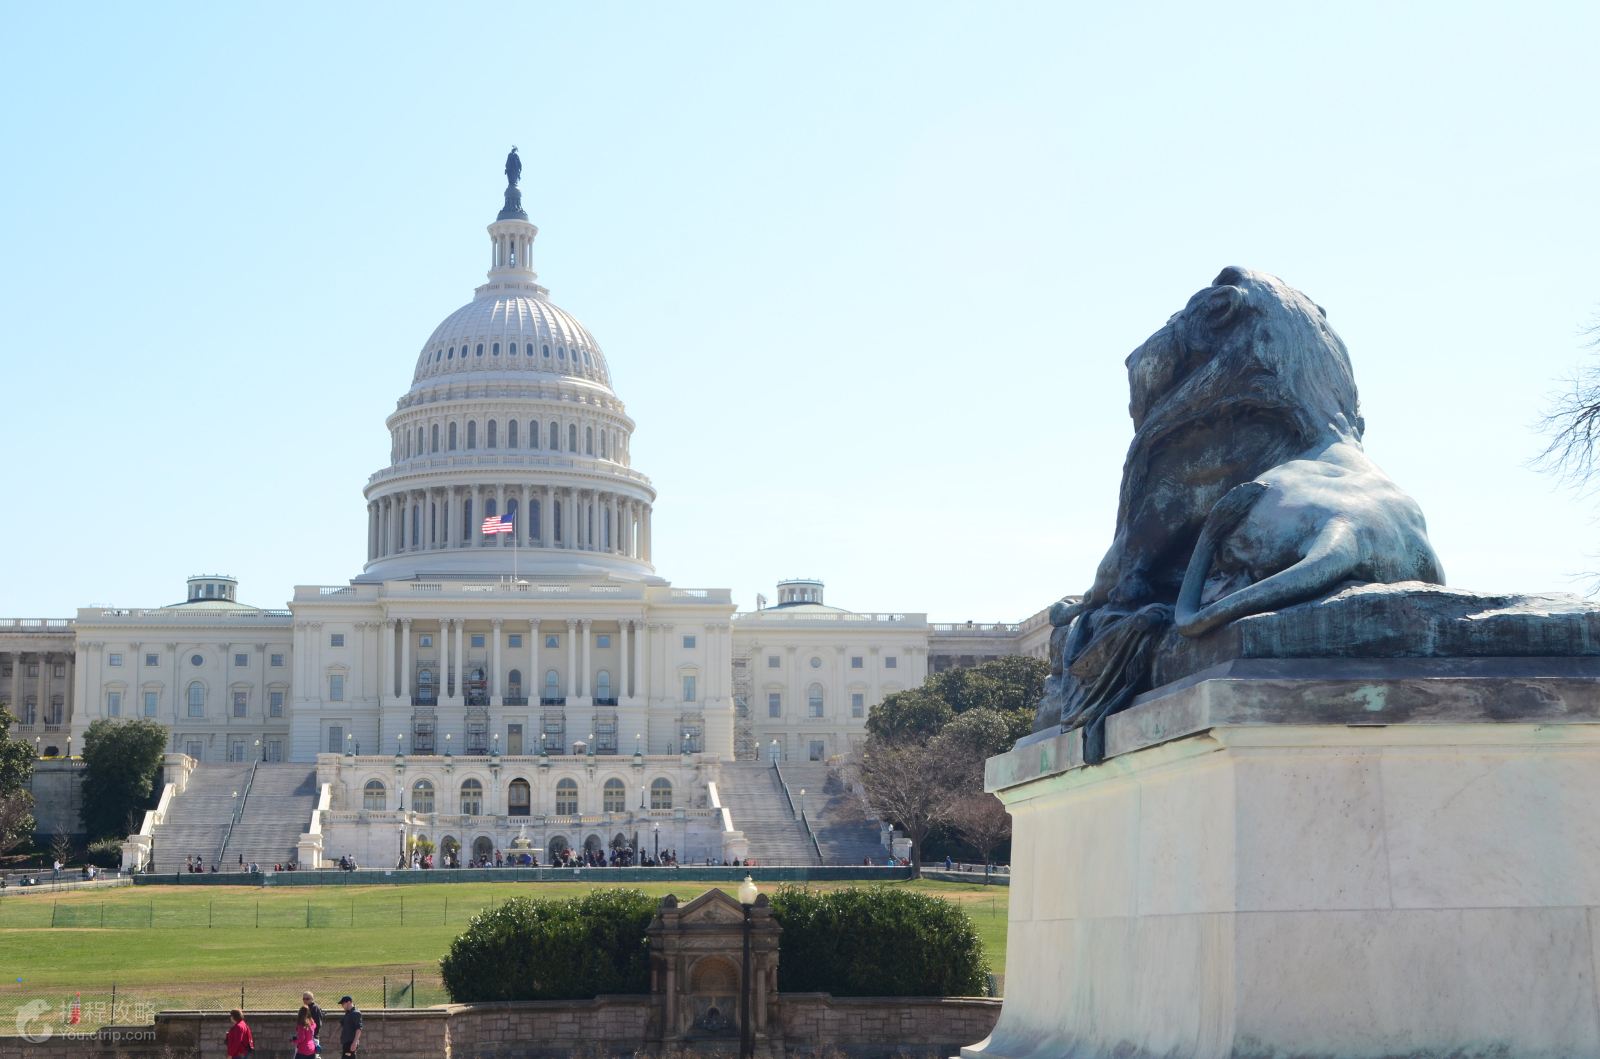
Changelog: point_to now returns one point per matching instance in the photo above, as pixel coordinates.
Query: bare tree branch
(1573, 424)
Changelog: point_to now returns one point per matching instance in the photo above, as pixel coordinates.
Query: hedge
(876, 941)
(553, 950)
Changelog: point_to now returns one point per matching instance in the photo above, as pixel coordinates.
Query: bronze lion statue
(1247, 444)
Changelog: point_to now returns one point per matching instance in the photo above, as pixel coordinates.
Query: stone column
(547, 517)
(405, 661)
(572, 656)
(16, 684)
(535, 678)
(385, 664)
(494, 674)
(616, 526)
(42, 689)
(524, 520)
(641, 678)
(443, 675)
(461, 662)
(647, 535)
(623, 690)
(585, 684)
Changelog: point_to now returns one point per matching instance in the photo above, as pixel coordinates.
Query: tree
(1574, 425)
(1010, 686)
(16, 800)
(982, 820)
(905, 784)
(908, 715)
(123, 758)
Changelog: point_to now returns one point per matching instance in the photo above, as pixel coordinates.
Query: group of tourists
(308, 1020)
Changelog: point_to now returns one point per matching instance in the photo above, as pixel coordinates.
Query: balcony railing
(553, 700)
(516, 700)
(605, 702)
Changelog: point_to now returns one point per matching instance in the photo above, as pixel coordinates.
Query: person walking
(316, 1012)
(240, 1042)
(349, 1028)
(305, 1035)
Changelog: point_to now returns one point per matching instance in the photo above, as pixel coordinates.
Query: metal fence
(234, 910)
(93, 1003)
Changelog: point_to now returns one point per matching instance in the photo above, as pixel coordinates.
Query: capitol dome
(510, 418)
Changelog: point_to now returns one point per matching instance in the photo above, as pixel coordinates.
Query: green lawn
(185, 947)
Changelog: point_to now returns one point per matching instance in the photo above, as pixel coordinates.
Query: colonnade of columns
(571, 517)
(31, 698)
(574, 680)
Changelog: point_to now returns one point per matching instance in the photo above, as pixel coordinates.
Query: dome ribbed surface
(502, 331)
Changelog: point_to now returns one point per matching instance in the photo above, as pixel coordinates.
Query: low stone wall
(397, 876)
(870, 1027)
(814, 1024)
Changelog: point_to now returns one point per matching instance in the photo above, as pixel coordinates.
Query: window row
(152, 660)
(27, 713)
(196, 699)
(519, 797)
(856, 662)
(816, 703)
(608, 443)
(473, 350)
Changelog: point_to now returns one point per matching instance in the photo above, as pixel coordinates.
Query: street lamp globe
(748, 891)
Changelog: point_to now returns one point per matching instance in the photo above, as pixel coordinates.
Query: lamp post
(773, 754)
(656, 828)
(747, 1045)
(802, 803)
(641, 797)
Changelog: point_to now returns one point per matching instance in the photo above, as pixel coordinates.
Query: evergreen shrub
(553, 950)
(876, 941)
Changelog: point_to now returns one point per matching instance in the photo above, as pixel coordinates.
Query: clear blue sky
(865, 273)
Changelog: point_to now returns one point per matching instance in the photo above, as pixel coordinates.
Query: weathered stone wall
(869, 1027)
(57, 797)
(813, 1024)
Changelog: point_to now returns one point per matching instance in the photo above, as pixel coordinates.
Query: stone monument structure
(1288, 795)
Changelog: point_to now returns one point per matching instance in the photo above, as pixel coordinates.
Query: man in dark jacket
(349, 1028)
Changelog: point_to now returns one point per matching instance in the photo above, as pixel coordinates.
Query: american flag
(499, 524)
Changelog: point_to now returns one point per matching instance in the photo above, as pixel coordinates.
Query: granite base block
(1246, 879)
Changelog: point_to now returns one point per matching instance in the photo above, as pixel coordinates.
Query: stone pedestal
(1313, 858)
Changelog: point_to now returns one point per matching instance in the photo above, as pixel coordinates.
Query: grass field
(184, 947)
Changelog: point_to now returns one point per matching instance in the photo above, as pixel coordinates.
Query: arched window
(604, 449)
(555, 509)
(197, 699)
(466, 519)
(514, 681)
(519, 799)
(605, 529)
(416, 525)
(511, 513)
(472, 433)
(555, 438)
(552, 685)
(533, 520)
(814, 700)
(480, 349)
(559, 842)
(452, 439)
(602, 684)
(547, 352)
(661, 794)
(567, 798)
(424, 679)
(614, 796)
(511, 433)
(533, 433)
(588, 441)
(471, 798)
(435, 439)
(374, 796)
(422, 797)
(451, 355)
(561, 352)
(495, 352)
(572, 437)
(513, 349)
(494, 437)
(408, 445)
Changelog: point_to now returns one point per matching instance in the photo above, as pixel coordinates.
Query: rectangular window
(477, 639)
(277, 661)
(772, 662)
(891, 662)
(855, 661)
(195, 748)
(273, 751)
(152, 702)
(602, 639)
(688, 689)
(275, 704)
(513, 739)
(236, 750)
(113, 704)
(552, 640)
(152, 660)
(858, 704)
(688, 643)
(240, 702)
(113, 659)
(336, 639)
(60, 671)
(336, 687)
(33, 668)
(335, 738)
(774, 704)
(514, 640)
(817, 750)
(426, 639)
(241, 661)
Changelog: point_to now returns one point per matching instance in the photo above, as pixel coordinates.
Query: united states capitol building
(547, 683)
